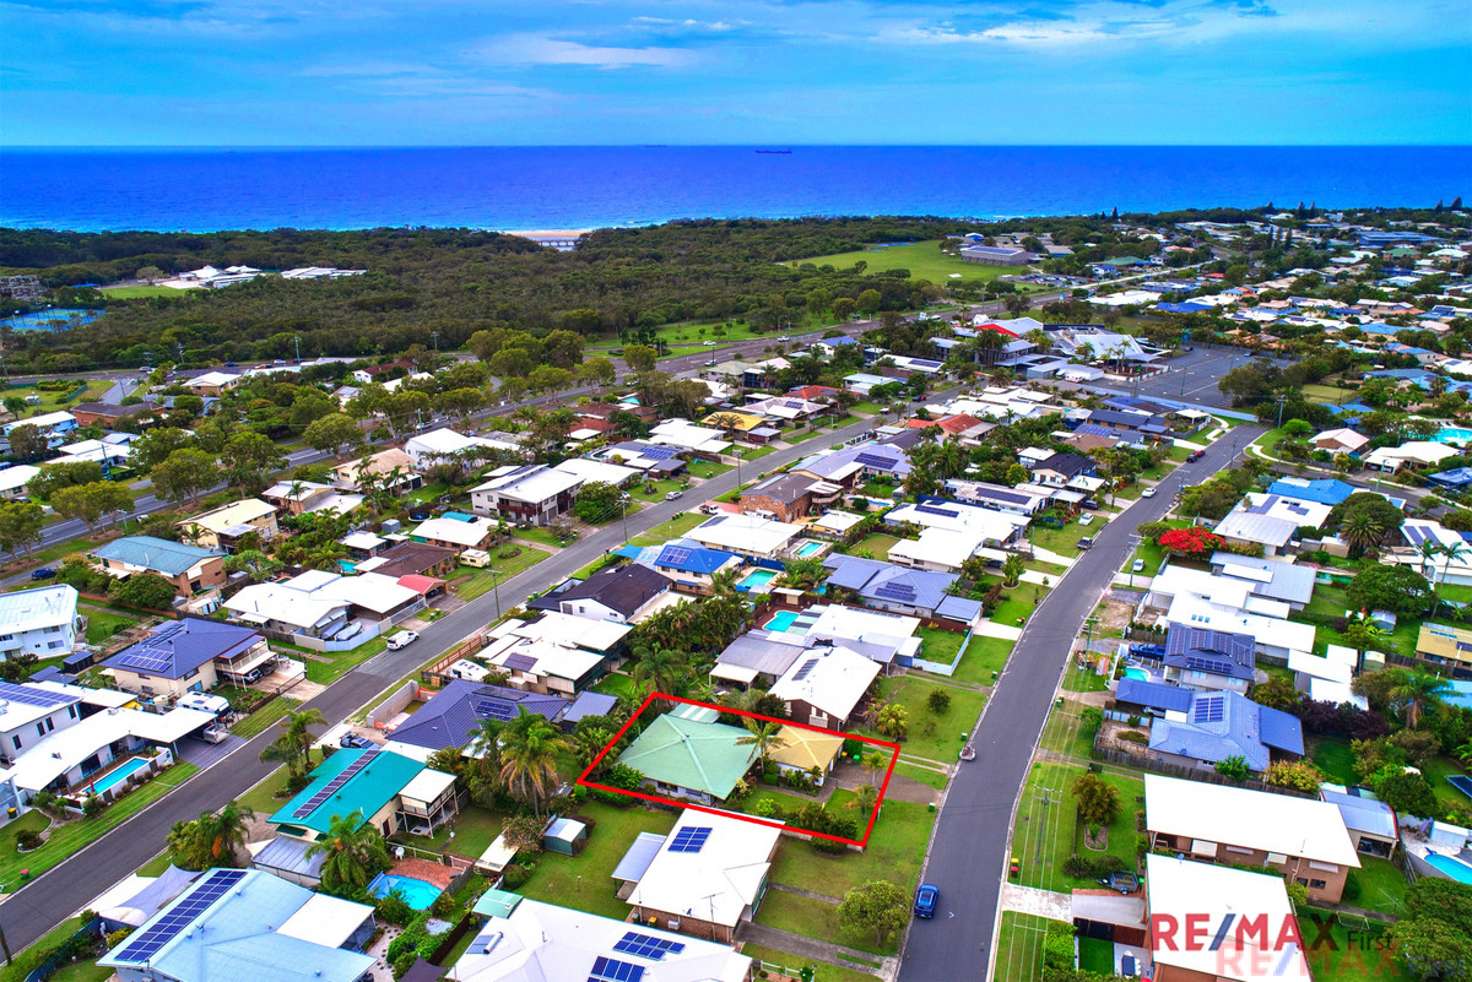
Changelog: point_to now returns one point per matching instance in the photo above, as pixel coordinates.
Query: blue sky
(402, 72)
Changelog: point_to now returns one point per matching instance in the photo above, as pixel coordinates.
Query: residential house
(33, 713)
(692, 568)
(13, 481)
(746, 535)
(952, 532)
(1226, 724)
(412, 559)
(557, 652)
(377, 787)
(624, 595)
(826, 686)
(302, 497)
(54, 426)
(224, 527)
(457, 531)
(1061, 468)
(799, 750)
(1300, 838)
(212, 383)
(1272, 579)
(41, 621)
(1024, 501)
(789, 497)
(107, 415)
(757, 659)
(1330, 677)
(530, 941)
(706, 879)
(902, 590)
(453, 716)
(1231, 903)
(1339, 440)
(1446, 647)
(190, 568)
(445, 445)
(851, 466)
(688, 437)
(686, 753)
(231, 918)
(318, 604)
(192, 654)
(1370, 822)
(528, 494)
(1413, 453)
(392, 468)
(1199, 658)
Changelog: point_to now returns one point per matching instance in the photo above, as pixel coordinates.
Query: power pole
(298, 340)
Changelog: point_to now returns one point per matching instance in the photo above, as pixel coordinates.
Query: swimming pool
(809, 549)
(1459, 435)
(418, 894)
(1138, 674)
(1454, 868)
(781, 620)
(757, 579)
(119, 775)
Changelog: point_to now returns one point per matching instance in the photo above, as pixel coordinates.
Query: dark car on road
(1194, 456)
(927, 898)
(44, 573)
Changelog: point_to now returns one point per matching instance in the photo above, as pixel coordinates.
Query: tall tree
(529, 748)
(353, 853)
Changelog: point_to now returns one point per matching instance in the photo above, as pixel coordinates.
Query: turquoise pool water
(119, 775)
(418, 894)
(758, 578)
(1139, 674)
(809, 549)
(1454, 868)
(458, 516)
(47, 320)
(1453, 434)
(781, 621)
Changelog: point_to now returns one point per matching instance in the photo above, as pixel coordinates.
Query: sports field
(924, 260)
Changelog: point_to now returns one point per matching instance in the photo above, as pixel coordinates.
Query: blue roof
(1280, 730)
(175, 649)
(1457, 477)
(1325, 491)
(1199, 649)
(693, 559)
(1183, 308)
(455, 713)
(885, 582)
(838, 341)
(1156, 695)
(162, 555)
(1222, 724)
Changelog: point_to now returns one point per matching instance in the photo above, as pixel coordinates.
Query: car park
(402, 640)
(927, 898)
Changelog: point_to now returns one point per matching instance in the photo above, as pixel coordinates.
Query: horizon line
(22, 147)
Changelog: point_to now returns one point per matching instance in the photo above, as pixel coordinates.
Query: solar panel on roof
(332, 787)
(869, 460)
(896, 591)
(146, 662)
(805, 669)
(936, 510)
(520, 663)
(1211, 709)
(691, 838)
(31, 697)
(613, 970)
(495, 709)
(181, 915)
(674, 556)
(647, 946)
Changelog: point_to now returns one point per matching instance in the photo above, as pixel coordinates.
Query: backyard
(937, 736)
(1063, 541)
(104, 622)
(475, 828)
(585, 881)
(470, 582)
(895, 851)
(1047, 830)
(984, 657)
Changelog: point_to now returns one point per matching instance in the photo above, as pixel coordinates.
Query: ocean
(525, 188)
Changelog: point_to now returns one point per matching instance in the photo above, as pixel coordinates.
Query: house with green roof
(387, 790)
(690, 755)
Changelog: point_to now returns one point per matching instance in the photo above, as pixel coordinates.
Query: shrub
(939, 701)
(28, 839)
(1134, 736)
(394, 908)
(1092, 867)
(514, 876)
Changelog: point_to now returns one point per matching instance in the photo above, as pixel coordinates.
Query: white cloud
(538, 49)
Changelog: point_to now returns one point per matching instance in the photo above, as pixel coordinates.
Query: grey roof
(786, 488)
(624, 589)
(1201, 649)
(1291, 582)
(1225, 724)
(756, 650)
(1363, 813)
(1067, 464)
(150, 552)
(589, 703)
(1155, 695)
(635, 862)
(1257, 528)
(289, 854)
(889, 583)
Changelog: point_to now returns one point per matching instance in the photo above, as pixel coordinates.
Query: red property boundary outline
(893, 748)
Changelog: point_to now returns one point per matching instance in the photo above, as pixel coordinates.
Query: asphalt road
(969, 852)
(65, 889)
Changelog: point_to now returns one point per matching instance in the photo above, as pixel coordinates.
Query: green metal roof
(686, 753)
(365, 792)
(496, 903)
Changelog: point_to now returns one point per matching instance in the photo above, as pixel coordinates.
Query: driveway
(968, 855)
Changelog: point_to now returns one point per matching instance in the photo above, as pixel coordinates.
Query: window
(40, 729)
(53, 645)
(1239, 849)
(16, 741)
(72, 710)
(1316, 884)
(50, 724)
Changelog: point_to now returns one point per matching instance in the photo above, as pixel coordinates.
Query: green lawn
(924, 775)
(875, 546)
(1150, 552)
(1437, 770)
(268, 715)
(1063, 541)
(895, 851)
(1367, 955)
(470, 582)
(585, 881)
(867, 408)
(1018, 603)
(1334, 757)
(938, 737)
(73, 836)
(984, 656)
(815, 919)
(1382, 886)
(1020, 947)
(28, 958)
(672, 529)
(615, 685)
(1045, 833)
(538, 534)
(795, 436)
(1331, 394)
(660, 489)
(1329, 604)
(342, 662)
(140, 292)
(1077, 679)
(753, 453)
(822, 971)
(262, 799)
(707, 469)
(1064, 732)
(104, 622)
(924, 260)
(690, 334)
(939, 645)
(475, 829)
(1096, 955)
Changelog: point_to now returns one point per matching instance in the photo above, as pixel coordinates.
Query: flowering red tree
(1193, 541)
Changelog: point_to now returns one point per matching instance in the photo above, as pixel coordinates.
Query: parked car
(1148, 493)
(1138, 566)
(402, 640)
(1086, 520)
(711, 364)
(1121, 882)
(44, 573)
(673, 495)
(1194, 456)
(1086, 542)
(351, 741)
(709, 344)
(927, 898)
(783, 338)
(1090, 504)
(1148, 650)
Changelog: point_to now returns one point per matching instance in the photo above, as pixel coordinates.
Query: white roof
(688, 436)
(1421, 451)
(16, 714)
(990, 524)
(33, 610)
(362, 540)
(66, 748)
(228, 516)
(1180, 888)
(532, 485)
(261, 602)
(1268, 632)
(833, 679)
(373, 591)
(326, 920)
(427, 785)
(835, 520)
(745, 533)
(715, 883)
(45, 421)
(548, 659)
(1261, 820)
(597, 470)
(1318, 667)
(1335, 693)
(211, 378)
(541, 942)
(940, 547)
(456, 531)
(568, 630)
(837, 622)
(17, 477)
(446, 442)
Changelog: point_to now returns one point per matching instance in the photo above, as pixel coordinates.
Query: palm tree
(666, 668)
(864, 797)
(1453, 552)
(293, 747)
(873, 762)
(355, 852)
(766, 737)
(1414, 691)
(529, 749)
(1012, 569)
(223, 833)
(1364, 634)
(1429, 550)
(1362, 530)
(723, 584)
